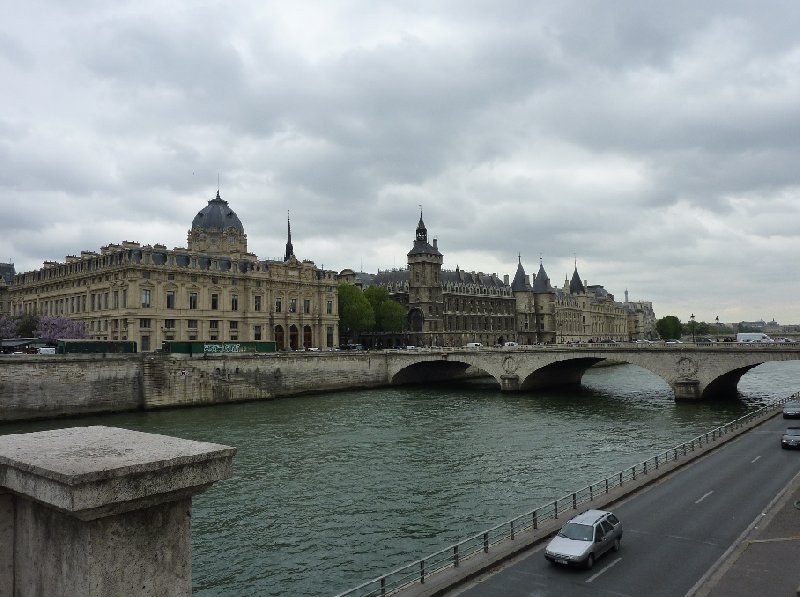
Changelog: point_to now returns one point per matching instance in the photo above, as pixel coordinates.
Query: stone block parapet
(101, 511)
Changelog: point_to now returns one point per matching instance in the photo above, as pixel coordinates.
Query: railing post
(591, 493)
(555, 509)
(455, 556)
(383, 586)
(633, 472)
(574, 501)
(656, 461)
(486, 543)
(620, 478)
(606, 484)
(644, 468)
(422, 571)
(512, 529)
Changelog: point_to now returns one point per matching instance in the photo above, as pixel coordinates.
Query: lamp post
(691, 320)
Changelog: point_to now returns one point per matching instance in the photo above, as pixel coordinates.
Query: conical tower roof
(520, 283)
(576, 285)
(542, 281)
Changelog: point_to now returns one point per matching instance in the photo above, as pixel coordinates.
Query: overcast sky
(654, 143)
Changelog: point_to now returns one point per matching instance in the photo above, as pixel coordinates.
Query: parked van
(474, 345)
(754, 337)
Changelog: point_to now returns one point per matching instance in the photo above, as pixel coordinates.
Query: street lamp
(691, 319)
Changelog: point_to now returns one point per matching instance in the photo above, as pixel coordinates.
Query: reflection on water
(333, 489)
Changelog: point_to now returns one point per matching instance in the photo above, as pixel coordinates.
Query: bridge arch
(693, 372)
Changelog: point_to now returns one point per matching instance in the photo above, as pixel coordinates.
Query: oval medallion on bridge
(687, 367)
(509, 365)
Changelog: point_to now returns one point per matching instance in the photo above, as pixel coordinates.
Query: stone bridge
(693, 371)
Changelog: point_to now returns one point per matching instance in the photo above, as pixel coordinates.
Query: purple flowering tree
(55, 328)
(8, 327)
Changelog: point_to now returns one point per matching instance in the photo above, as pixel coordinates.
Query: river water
(333, 489)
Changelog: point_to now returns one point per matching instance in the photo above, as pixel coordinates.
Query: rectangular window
(116, 299)
(192, 324)
(169, 324)
(256, 332)
(234, 302)
(146, 275)
(105, 300)
(124, 299)
(234, 325)
(145, 343)
(278, 305)
(170, 299)
(213, 324)
(145, 298)
(329, 336)
(144, 323)
(170, 276)
(193, 300)
(214, 301)
(293, 306)
(257, 302)
(329, 307)
(306, 306)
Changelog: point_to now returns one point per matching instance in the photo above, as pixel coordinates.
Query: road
(674, 531)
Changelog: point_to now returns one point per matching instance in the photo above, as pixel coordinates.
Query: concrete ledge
(98, 511)
(99, 471)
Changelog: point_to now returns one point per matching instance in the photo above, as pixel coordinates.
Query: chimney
(505, 279)
(435, 245)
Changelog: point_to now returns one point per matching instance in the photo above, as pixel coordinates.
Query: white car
(585, 538)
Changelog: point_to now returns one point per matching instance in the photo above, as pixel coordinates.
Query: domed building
(213, 290)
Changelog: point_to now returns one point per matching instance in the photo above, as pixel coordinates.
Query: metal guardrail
(453, 556)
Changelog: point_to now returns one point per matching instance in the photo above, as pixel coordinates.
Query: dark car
(791, 438)
(791, 410)
(585, 538)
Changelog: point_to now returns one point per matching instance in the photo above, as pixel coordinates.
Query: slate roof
(7, 272)
(520, 283)
(542, 281)
(576, 285)
(421, 246)
(218, 216)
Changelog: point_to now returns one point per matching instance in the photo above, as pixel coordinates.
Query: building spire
(289, 247)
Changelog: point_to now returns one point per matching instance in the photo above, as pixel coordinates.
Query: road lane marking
(754, 459)
(614, 563)
(704, 497)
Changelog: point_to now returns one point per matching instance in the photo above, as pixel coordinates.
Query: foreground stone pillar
(101, 511)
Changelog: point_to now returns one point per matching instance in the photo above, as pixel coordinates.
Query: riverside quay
(42, 386)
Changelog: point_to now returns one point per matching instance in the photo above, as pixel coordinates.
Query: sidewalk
(766, 560)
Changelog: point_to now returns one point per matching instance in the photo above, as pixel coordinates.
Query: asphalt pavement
(766, 559)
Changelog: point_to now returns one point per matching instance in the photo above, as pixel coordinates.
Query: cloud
(654, 144)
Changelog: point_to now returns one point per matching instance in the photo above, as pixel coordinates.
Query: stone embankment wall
(46, 386)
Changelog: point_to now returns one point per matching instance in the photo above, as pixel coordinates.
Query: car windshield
(579, 532)
(793, 431)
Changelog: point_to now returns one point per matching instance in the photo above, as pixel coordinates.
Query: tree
(26, 325)
(390, 317)
(8, 327)
(669, 327)
(54, 328)
(355, 311)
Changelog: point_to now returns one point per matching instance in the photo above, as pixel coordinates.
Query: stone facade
(453, 308)
(212, 290)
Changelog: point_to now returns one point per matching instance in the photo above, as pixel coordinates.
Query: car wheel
(616, 544)
(590, 562)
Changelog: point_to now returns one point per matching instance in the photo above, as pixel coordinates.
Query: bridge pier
(509, 383)
(687, 389)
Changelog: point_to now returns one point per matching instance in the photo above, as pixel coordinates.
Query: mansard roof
(542, 281)
(217, 216)
(7, 272)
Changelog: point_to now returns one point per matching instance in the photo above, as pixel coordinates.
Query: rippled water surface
(331, 490)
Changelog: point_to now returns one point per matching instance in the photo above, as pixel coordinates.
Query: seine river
(331, 490)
